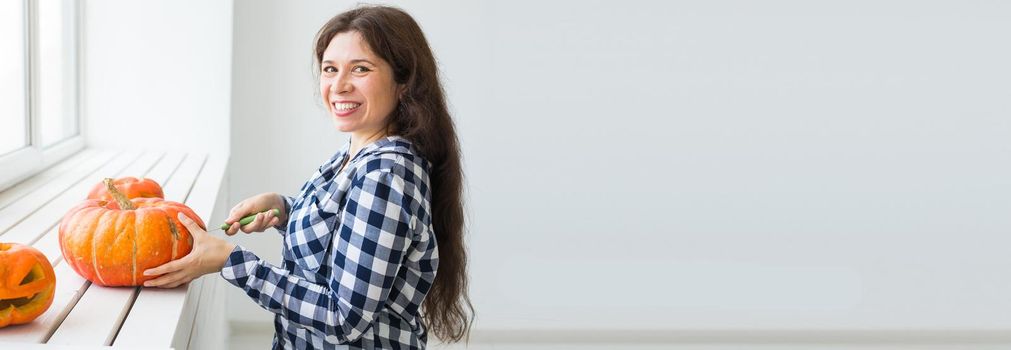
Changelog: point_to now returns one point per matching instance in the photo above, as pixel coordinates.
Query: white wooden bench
(92, 316)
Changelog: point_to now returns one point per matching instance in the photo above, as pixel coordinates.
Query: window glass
(57, 75)
(13, 116)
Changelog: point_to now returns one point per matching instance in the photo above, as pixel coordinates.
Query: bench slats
(49, 245)
(93, 320)
(99, 314)
(153, 305)
(204, 196)
(32, 227)
(28, 204)
(30, 184)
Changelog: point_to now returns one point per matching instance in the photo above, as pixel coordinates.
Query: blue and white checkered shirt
(359, 255)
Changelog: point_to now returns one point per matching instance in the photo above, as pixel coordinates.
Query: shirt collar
(393, 143)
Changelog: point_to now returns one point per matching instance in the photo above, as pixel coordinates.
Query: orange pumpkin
(111, 243)
(27, 283)
(129, 186)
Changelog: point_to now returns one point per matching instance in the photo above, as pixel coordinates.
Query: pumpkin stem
(124, 203)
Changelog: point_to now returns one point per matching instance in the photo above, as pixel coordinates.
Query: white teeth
(345, 106)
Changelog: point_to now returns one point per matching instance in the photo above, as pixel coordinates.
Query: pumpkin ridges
(124, 247)
(123, 254)
(105, 220)
(88, 218)
(109, 256)
(151, 246)
(133, 255)
(182, 241)
(113, 259)
(174, 230)
(72, 215)
(118, 253)
(185, 238)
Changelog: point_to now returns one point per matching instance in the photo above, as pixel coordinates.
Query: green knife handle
(246, 220)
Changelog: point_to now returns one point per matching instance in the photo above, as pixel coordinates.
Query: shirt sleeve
(282, 226)
(367, 251)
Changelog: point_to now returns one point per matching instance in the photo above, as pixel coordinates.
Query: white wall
(711, 165)
(157, 73)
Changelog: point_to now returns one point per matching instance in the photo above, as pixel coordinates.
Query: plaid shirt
(359, 255)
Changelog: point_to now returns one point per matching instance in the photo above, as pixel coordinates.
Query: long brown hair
(422, 117)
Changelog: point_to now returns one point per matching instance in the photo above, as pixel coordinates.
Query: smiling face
(357, 86)
(27, 283)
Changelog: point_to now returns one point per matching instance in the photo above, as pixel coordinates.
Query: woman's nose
(341, 85)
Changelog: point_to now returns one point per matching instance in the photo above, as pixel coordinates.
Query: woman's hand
(256, 204)
(209, 254)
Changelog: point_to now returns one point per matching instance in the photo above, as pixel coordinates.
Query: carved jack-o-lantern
(27, 283)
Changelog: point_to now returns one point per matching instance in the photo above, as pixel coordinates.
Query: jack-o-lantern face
(27, 283)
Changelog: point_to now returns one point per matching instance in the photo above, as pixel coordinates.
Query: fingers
(268, 216)
(261, 222)
(237, 212)
(232, 230)
(263, 202)
(252, 226)
(169, 267)
(189, 224)
(173, 273)
(161, 281)
(170, 280)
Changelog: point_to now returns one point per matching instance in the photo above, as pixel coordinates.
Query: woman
(366, 235)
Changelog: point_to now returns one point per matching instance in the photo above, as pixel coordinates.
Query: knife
(246, 220)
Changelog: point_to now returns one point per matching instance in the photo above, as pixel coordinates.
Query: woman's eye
(361, 69)
(329, 69)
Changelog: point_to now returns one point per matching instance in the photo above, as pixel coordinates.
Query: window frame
(25, 162)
